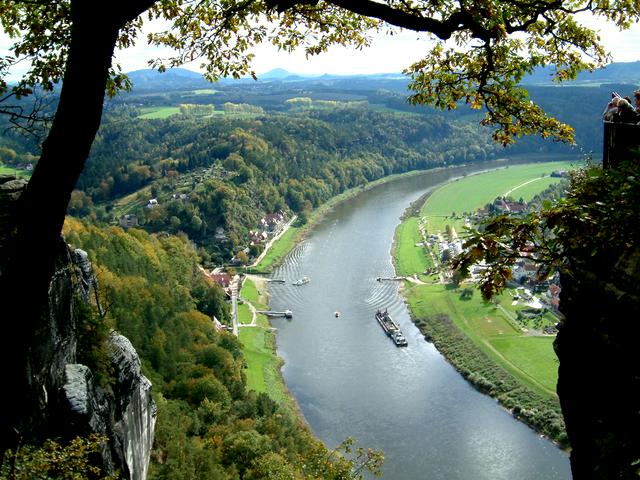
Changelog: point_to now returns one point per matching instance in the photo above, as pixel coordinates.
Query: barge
(391, 328)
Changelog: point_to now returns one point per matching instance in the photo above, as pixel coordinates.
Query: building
(129, 220)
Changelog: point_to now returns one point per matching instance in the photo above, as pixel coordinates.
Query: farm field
(158, 112)
(470, 193)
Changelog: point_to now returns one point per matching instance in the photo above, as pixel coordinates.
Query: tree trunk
(29, 266)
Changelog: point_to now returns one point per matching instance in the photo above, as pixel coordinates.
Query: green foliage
(92, 332)
(53, 460)
(209, 424)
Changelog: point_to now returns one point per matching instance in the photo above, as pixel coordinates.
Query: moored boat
(391, 328)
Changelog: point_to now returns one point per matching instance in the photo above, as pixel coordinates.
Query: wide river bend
(350, 380)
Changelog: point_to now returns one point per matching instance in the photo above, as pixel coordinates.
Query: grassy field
(244, 314)
(263, 365)
(409, 257)
(158, 112)
(13, 171)
(467, 194)
(250, 293)
(280, 248)
(258, 346)
(529, 358)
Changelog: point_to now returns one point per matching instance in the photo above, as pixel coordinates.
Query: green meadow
(158, 112)
(14, 171)
(467, 194)
(530, 359)
(263, 365)
(409, 257)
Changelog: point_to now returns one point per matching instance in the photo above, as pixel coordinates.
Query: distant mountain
(172, 79)
(615, 73)
(276, 73)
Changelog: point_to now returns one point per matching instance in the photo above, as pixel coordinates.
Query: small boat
(302, 281)
(337, 314)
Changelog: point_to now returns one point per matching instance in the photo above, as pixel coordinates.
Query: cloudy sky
(386, 54)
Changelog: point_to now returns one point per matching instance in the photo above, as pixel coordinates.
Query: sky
(386, 54)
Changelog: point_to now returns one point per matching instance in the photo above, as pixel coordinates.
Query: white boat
(302, 281)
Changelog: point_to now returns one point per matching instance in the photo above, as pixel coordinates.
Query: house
(153, 202)
(272, 221)
(129, 220)
(220, 235)
(222, 279)
(257, 237)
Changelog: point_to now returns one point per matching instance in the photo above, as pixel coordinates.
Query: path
(270, 242)
(506, 194)
(234, 306)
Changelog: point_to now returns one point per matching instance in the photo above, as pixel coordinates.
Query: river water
(351, 380)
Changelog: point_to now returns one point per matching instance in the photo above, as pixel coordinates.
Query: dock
(272, 313)
(396, 279)
(275, 280)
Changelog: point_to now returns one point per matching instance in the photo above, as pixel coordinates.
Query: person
(625, 112)
(636, 97)
(610, 112)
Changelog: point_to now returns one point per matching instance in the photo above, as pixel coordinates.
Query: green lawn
(249, 292)
(158, 112)
(13, 171)
(409, 258)
(279, 248)
(244, 314)
(263, 366)
(205, 91)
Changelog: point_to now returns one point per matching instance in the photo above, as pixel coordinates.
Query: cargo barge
(391, 328)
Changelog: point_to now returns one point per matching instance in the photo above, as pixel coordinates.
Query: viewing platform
(621, 142)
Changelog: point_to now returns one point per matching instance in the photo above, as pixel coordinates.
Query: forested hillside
(209, 425)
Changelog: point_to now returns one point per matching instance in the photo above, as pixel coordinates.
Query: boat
(336, 314)
(391, 328)
(302, 281)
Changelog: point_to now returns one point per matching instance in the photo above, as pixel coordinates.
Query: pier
(271, 313)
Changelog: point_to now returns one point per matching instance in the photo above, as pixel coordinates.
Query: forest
(209, 425)
(224, 157)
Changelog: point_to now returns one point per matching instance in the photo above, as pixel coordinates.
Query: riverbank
(258, 338)
(296, 233)
(481, 340)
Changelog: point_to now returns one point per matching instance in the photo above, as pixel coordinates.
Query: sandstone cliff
(64, 400)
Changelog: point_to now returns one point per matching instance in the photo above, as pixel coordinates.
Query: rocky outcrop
(126, 415)
(63, 400)
(599, 372)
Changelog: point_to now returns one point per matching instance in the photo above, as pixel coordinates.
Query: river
(351, 380)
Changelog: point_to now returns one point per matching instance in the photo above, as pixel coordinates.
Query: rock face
(127, 415)
(599, 373)
(63, 400)
(69, 402)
